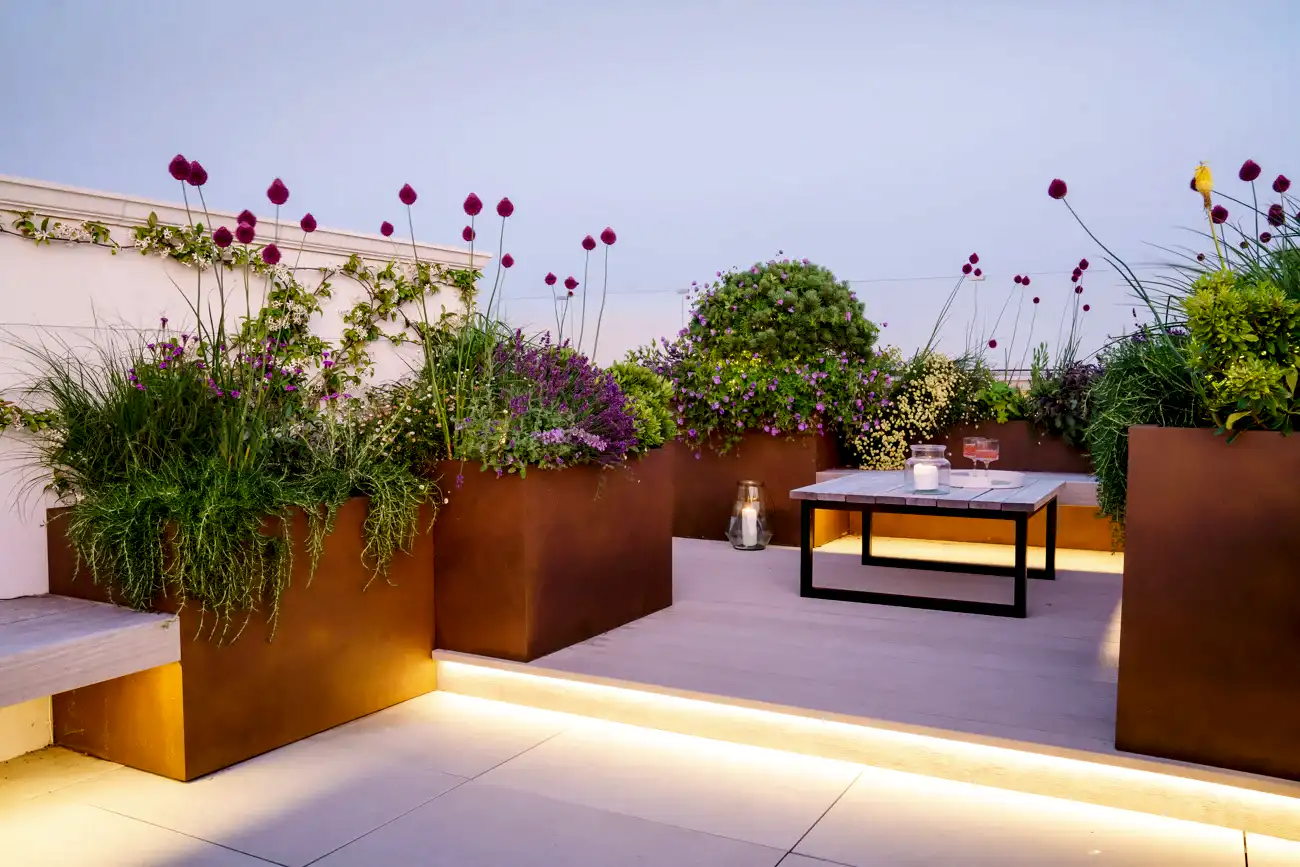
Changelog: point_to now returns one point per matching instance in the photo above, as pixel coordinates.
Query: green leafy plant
(1245, 346)
(1002, 403)
(649, 400)
(777, 309)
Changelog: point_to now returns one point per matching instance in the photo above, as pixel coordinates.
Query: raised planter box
(704, 489)
(1021, 447)
(1211, 613)
(341, 650)
(528, 566)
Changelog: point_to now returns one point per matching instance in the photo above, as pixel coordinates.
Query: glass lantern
(927, 471)
(748, 530)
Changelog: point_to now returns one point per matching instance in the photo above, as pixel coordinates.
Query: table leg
(805, 547)
(1049, 569)
(866, 535)
(1020, 605)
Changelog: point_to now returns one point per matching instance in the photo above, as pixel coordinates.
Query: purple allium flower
(507, 261)
(607, 237)
(468, 234)
(1083, 264)
(550, 279)
(974, 259)
(1025, 280)
(993, 344)
(1057, 189)
(278, 193)
(570, 284)
(1265, 237)
(198, 175)
(179, 168)
(505, 208)
(246, 216)
(966, 269)
(1219, 214)
(1200, 257)
(1249, 171)
(307, 223)
(1019, 280)
(244, 233)
(979, 273)
(1281, 184)
(271, 254)
(589, 243)
(1078, 290)
(1036, 299)
(222, 237)
(1276, 216)
(1074, 278)
(1078, 272)
(386, 229)
(1086, 308)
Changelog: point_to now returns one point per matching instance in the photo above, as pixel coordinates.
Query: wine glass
(989, 451)
(970, 450)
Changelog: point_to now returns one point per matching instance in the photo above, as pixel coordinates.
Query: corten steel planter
(529, 566)
(704, 489)
(1022, 447)
(1210, 628)
(340, 651)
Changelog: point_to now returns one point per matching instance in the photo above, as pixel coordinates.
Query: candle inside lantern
(927, 477)
(749, 526)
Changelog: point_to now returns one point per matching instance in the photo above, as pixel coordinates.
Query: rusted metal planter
(1211, 612)
(341, 650)
(704, 488)
(528, 566)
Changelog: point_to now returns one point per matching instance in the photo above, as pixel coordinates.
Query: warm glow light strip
(1255, 804)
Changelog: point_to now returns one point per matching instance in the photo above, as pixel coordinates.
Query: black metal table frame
(1021, 571)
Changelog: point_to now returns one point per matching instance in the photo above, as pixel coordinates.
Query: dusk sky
(886, 141)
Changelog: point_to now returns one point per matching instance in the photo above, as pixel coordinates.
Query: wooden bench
(882, 492)
(51, 644)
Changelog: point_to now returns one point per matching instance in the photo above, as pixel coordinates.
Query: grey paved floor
(461, 782)
(739, 628)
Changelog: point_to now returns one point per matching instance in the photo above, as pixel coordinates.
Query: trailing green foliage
(649, 400)
(1145, 381)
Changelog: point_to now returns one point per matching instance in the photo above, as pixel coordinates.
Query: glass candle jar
(748, 530)
(927, 471)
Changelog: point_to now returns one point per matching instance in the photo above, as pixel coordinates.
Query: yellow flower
(1203, 182)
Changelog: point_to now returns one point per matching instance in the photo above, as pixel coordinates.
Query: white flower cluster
(918, 403)
(68, 232)
(291, 315)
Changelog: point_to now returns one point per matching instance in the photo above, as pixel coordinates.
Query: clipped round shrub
(782, 309)
(649, 401)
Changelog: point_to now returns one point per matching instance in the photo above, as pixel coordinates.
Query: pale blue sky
(885, 140)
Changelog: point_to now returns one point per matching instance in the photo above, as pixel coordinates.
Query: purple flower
(1078, 290)
(1281, 184)
(979, 273)
(1219, 214)
(290, 387)
(1276, 216)
(386, 229)
(607, 237)
(271, 254)
(974, 259)
(244, 233)
(507, 261)
(966, 269)
(407, 195)
(308, 223)
(588, 243)
(179, 168)
(222, 237)
(1018, 280)
(278, 193)
(473, 205)
(1265, 237)
(198, 175)
(1024, 281)
(551, 278)
(1057, 189)
(1249, 171)
(468, 234)
(1086, 308)
(1035, 299)
(246, 216)
(505, 208)
(993, 344)
(570, 284)
(234, 393)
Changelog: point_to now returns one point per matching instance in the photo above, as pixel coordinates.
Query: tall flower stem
(604, 291)
(501, 246)
(582, 325)
(425, 338)
(1120, 265)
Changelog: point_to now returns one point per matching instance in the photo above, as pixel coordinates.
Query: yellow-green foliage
(1244, 349)
(649, 399)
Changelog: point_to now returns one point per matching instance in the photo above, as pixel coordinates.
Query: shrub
(1002, 403)
(778, 308)
(649, 400)
(1061, 404)
(915, 412)
(1244, 347)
